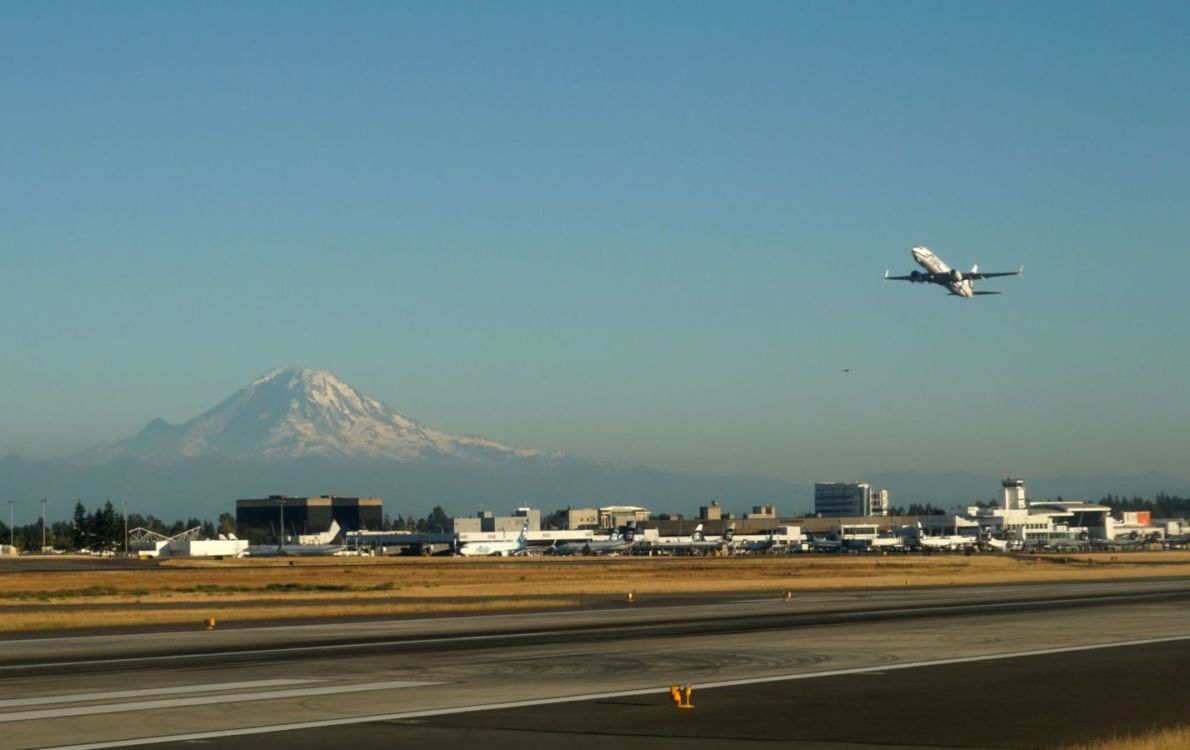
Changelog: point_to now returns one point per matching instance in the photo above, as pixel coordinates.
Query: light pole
(11, 531)
(43, 500)
(125, 528)
(281, 504)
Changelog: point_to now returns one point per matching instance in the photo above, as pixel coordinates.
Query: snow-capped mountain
(300, 413)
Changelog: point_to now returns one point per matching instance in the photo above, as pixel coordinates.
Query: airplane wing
(982, 275)
(896, 278)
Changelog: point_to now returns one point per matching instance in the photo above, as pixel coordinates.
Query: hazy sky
(640, 232)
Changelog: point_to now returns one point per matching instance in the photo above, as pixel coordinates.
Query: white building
(615, 516)
(1020, 520)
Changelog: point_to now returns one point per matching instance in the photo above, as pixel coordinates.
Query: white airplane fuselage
(957, 285)
(489, 549)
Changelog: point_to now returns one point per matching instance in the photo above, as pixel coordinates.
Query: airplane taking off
(959, 283)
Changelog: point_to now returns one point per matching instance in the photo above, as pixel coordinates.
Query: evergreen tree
(110, 527)
(437, 520)
(79, 531)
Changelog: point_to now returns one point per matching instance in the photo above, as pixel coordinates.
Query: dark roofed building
(259, 520)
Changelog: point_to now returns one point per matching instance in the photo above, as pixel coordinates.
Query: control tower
(1012, 494)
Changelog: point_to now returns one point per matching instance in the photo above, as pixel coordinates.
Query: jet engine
(916, 277)
(956, 274)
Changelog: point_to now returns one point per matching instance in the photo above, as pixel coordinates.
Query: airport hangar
(260, 519)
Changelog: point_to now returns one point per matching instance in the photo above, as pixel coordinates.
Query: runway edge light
(682, 695)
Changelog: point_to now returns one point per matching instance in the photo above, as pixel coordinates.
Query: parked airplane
(887, 542)
(498, 548)
(1176, 541)
(697, 542)
(994, 544)
(615, 542)
(825, 544)
(1065, 544)
(282, 549)
(676, 543)
(946, 542)
(959, 283)
(703, 545)
(755, 545)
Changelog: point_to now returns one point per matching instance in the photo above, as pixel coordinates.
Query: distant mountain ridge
(207, 486)
(293, 413)
(305, 432)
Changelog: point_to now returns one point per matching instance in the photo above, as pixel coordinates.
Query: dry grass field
(1177, 738)
(191, 590)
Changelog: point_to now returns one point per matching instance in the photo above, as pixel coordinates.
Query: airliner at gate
(959, 283)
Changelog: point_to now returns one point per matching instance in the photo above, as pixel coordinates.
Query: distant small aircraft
(937, 272)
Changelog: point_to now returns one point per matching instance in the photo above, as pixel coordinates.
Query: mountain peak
(303, 374)
(297, 412)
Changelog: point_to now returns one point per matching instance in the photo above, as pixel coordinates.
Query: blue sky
(638, 232)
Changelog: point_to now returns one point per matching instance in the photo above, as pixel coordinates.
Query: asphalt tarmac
(1021, 703)
(1002, 666)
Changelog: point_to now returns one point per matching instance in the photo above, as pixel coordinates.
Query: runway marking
(862, 614)
(601, 696)
(286, 650)
(80, 697)
(206, 700)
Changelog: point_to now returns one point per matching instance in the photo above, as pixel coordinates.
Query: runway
(844, 667)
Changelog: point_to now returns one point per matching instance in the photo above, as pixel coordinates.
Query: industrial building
(485, 522)
(711, 512)
(260, 520)
(144, 542)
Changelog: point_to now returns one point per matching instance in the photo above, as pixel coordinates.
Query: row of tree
(917, 509)
(102, 529)
(437, 521)
(1163, 506)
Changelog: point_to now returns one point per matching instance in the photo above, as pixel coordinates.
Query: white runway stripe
(210, 687)
(205, 700)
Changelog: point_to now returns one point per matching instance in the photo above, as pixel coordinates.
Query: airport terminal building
(853, 499)
(260, 520)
